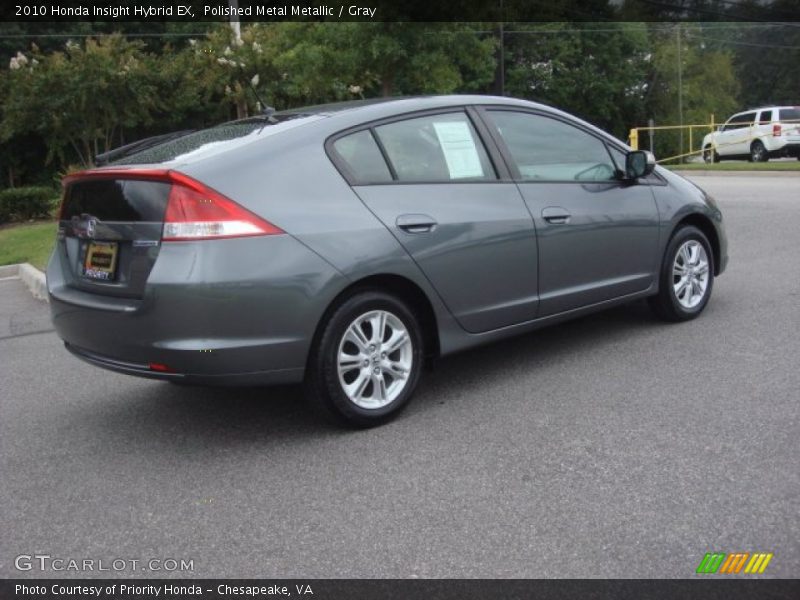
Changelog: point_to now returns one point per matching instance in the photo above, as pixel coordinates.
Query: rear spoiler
(106, 157)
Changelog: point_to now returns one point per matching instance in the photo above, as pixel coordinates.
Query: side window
(547, 149)
(436, 148)
(740, 121)
(765, 118)
(790, 115)
(363, 158)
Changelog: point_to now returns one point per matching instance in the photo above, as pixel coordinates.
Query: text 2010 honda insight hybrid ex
(343, 245)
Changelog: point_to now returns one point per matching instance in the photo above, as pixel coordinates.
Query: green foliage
(708, 86)
(598, 75)
(24, 203)
(62, 104)
(81, 96)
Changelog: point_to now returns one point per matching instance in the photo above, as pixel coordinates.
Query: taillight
(194, 211)
(776, 130)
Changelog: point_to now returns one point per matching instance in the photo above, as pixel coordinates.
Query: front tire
(367, 362)
(686, 277)
(710, 155)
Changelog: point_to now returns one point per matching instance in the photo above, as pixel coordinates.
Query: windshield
(210, 141)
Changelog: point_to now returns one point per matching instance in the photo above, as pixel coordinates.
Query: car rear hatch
(110, 231)
(789, 126)
(114, 221)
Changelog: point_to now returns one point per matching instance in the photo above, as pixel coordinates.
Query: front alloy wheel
(686, 276)
(690, 274)
(367, 359)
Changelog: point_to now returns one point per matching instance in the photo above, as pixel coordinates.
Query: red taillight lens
(194, 211)
(776, 130)
(160, 367)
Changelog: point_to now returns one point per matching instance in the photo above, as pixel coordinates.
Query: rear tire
(686, 277)
(367, 360)
(758, 153)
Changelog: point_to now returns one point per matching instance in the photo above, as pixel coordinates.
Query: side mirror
(639, 163)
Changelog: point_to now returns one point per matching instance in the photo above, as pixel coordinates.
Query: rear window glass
(117, 200)
(790, 114)
(214, 139)
(436, 148)
(363, 158)
(766, 116)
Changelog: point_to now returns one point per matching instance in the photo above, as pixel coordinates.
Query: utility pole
(680, 88)
(235, 24)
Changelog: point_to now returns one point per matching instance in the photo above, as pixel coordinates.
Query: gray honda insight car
(344, 245)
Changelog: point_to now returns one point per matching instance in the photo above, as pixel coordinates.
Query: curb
(687, 172)
(32, 277)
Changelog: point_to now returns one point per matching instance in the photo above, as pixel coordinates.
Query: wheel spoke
(702, 269)
(378, 324)
(398, 339)
(356, 335)
(395, 369)
(379, 388)
(349, 362)
(356, 389)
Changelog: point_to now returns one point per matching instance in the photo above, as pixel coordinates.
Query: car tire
(686, 277)
(758, 153)
(357, 376)
(710, 155)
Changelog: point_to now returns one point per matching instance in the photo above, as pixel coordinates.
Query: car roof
(779, 107)
(343, 115)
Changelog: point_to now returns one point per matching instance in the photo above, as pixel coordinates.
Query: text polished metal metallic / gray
(345, 245)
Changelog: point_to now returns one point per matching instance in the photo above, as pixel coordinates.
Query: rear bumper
(789, 149)
(240, 311)
(273, 377)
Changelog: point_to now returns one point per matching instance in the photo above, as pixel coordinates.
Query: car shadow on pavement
(167, 415)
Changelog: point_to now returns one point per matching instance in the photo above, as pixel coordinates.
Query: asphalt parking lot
(612, 446)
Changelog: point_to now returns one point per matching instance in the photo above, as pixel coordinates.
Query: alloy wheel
(690, 274)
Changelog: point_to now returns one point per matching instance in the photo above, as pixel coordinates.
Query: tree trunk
(387, 85)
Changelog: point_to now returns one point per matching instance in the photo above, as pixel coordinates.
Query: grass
(27, 242)
(784, 165)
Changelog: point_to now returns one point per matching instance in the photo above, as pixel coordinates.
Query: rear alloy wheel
(710, 155)
(686, 277)
(368, 360)
(758, 153)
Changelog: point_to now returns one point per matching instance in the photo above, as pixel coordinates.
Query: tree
(331, 61)
(80, 97)
(595, 72)
(709, 85)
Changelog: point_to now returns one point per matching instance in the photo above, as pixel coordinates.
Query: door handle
(416, 223)
(556, 215)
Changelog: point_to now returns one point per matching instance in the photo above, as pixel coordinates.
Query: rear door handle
(556, 215)
(416, 223)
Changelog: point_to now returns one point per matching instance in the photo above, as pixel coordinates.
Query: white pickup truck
(757, 135)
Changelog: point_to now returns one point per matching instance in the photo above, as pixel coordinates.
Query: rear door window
(362, 157)
(436, 148)
(765, 118)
